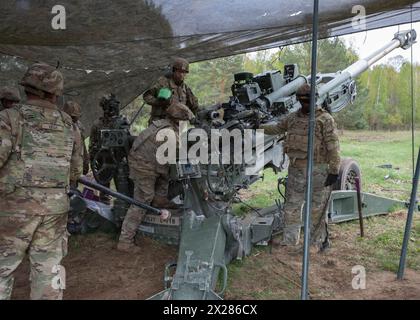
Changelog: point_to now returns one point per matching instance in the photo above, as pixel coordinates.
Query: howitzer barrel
(287, 90)
(118, 195)
(403, 39)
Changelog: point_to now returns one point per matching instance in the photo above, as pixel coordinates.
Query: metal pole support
(309, 182)
(403, 256)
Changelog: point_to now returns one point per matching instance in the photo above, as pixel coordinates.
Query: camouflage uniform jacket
(39, 155)
(143, 154)
(326, 143)
(180, 93)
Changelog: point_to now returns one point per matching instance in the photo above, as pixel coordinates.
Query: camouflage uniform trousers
(294, 206)
(45, 239)
(148, 185)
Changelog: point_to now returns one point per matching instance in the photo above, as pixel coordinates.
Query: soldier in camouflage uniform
(9, 96)
(151, 179)
(325, 170)
(111, 119)
(73, 109)
(38, 159)
(180, 92)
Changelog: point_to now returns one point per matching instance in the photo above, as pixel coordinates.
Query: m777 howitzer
(209, 235)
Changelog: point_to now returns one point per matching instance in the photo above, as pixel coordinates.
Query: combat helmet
(304, 92)
(110, 105)
(9, 93)
(41, 77)
(180, 64)
(179, 111)
(73, 109)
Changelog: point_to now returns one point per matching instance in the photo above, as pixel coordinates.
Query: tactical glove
(331, 179)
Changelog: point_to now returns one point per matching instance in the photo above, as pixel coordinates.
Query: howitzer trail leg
(48, 248)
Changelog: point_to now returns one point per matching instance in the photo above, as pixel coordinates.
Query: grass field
(370, 150)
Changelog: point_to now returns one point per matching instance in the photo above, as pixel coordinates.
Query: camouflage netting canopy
(122, 46)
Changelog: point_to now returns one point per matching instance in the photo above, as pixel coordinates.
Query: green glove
(164, 94)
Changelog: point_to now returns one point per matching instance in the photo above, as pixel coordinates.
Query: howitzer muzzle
(164, 213)
(406, 38)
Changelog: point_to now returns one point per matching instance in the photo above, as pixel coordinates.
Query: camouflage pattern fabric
(38, 154)
(10, 93)
(326, 161)
(294, 206)
(41, 78)
(9, 96)
(151, 179)
(326, 143)
(45, 239)
(147, 186)
(182, 94)
(36, 159)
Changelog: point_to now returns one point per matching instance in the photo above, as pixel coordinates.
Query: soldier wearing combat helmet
(39, 157)
(151, 179)
(169, 89)
(9, 96)
(325, 171)
(73, 109)
(111, 119)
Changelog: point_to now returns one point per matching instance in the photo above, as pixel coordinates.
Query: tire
(349, 169)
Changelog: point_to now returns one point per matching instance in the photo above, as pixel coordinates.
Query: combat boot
(127, 245)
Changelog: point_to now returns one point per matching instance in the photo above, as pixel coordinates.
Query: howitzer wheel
(349, 170)
(104, 166)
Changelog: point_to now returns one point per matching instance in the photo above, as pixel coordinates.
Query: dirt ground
(96, 270)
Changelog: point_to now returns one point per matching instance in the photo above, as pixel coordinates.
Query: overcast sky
(368, 41)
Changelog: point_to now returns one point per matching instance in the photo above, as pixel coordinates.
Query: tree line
(384, 95)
